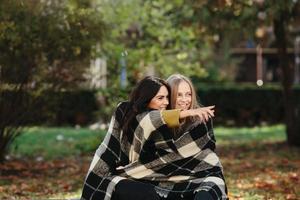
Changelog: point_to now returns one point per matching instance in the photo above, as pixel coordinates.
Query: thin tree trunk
(291, 110)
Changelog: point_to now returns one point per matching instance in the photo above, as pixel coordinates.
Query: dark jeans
(203, 195)
(129, 190)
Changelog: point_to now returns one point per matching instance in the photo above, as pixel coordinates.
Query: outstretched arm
(204, 113)
(171, 117)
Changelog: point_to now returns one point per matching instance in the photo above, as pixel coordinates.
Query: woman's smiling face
(161, 99)
(184, 96)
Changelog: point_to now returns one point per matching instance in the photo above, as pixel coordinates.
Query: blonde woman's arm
(171, 117)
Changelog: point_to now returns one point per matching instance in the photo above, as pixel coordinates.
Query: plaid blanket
(177, 167)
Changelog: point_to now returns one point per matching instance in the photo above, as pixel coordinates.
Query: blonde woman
(206, 174)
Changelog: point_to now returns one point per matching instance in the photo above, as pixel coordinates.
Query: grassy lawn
(52, 162)
(226, 136)
(50, 143)
(258, 164)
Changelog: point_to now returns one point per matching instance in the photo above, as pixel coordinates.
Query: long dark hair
(140, 97)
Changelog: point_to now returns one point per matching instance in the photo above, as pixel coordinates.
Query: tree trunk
(292, 118)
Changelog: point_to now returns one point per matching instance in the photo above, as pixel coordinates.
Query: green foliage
(14, 107)
(245, 104)
(71, 107)
(65, 108)
(43, 44)
(108, 100)
(189, 37)
(38, 39)
(81, 107)
(154, 35)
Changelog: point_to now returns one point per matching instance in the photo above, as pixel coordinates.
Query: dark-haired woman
(127, 164)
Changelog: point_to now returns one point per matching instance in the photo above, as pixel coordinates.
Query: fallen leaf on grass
(247, 165)
(265, 184)
(294, 177)
(285, 161)
(291, 197)
(24, 186)
(67, 187)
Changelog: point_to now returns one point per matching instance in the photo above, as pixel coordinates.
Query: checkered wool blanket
(177, 167)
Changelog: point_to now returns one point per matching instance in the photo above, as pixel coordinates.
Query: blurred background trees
(44, 45)
(73, 60)
(270, 24)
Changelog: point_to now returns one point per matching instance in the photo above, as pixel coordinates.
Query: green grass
(56, 142)
(273, 133)
(50, 142)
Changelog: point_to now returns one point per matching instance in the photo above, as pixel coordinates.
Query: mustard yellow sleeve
(171, 117)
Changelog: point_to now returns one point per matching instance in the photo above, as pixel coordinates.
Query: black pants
(133, 190)
(128, 190)
(203, 195)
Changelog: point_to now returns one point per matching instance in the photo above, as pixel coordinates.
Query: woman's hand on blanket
(204, 113)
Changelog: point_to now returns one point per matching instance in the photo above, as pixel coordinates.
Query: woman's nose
(184, 98)
(166, 101)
